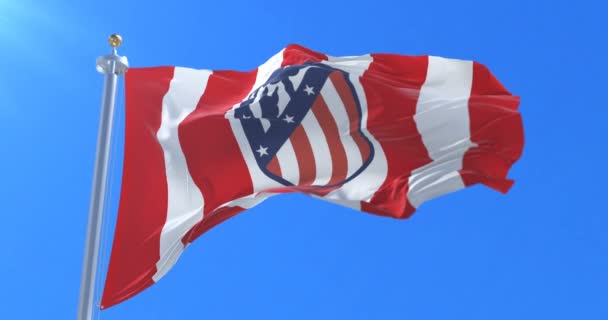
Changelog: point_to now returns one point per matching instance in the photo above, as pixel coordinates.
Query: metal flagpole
(112, 66)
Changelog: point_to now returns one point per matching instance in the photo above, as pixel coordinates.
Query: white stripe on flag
(184, 200)
(338, 111)
(320, 149)
(442, 119)
(363, 186)
(266, 70)
(250, 201)
(288, 163)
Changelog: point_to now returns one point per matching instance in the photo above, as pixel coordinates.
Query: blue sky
(540, 252)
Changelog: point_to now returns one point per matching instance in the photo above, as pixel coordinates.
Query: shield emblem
(304, 127)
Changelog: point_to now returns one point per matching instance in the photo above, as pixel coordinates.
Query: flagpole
(112, 66)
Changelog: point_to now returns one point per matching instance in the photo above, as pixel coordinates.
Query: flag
(379, 133)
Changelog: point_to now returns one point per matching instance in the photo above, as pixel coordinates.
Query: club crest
(304, 127)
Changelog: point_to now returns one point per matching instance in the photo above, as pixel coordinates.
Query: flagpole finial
(113, 63)
(115, 40)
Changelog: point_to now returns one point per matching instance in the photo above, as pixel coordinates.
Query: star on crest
(288, 119)
(309, 90)
(262, 151)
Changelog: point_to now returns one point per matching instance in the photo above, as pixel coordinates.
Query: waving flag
(379, 133)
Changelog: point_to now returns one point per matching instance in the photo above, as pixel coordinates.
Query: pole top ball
(115, 40)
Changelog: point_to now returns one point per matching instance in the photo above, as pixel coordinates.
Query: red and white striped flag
(379, 133)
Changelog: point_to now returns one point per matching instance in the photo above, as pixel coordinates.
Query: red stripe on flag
(304, 155)
(497, 130)
(382, 211)
(392, 85)
(296, 54)
(339, 163)
(274, 167)
(216, 165)
(339, 82)
(211, 220)
(143, 198)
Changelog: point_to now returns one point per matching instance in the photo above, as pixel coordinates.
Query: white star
(263, 151)
(309, 90)
(288, 119)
